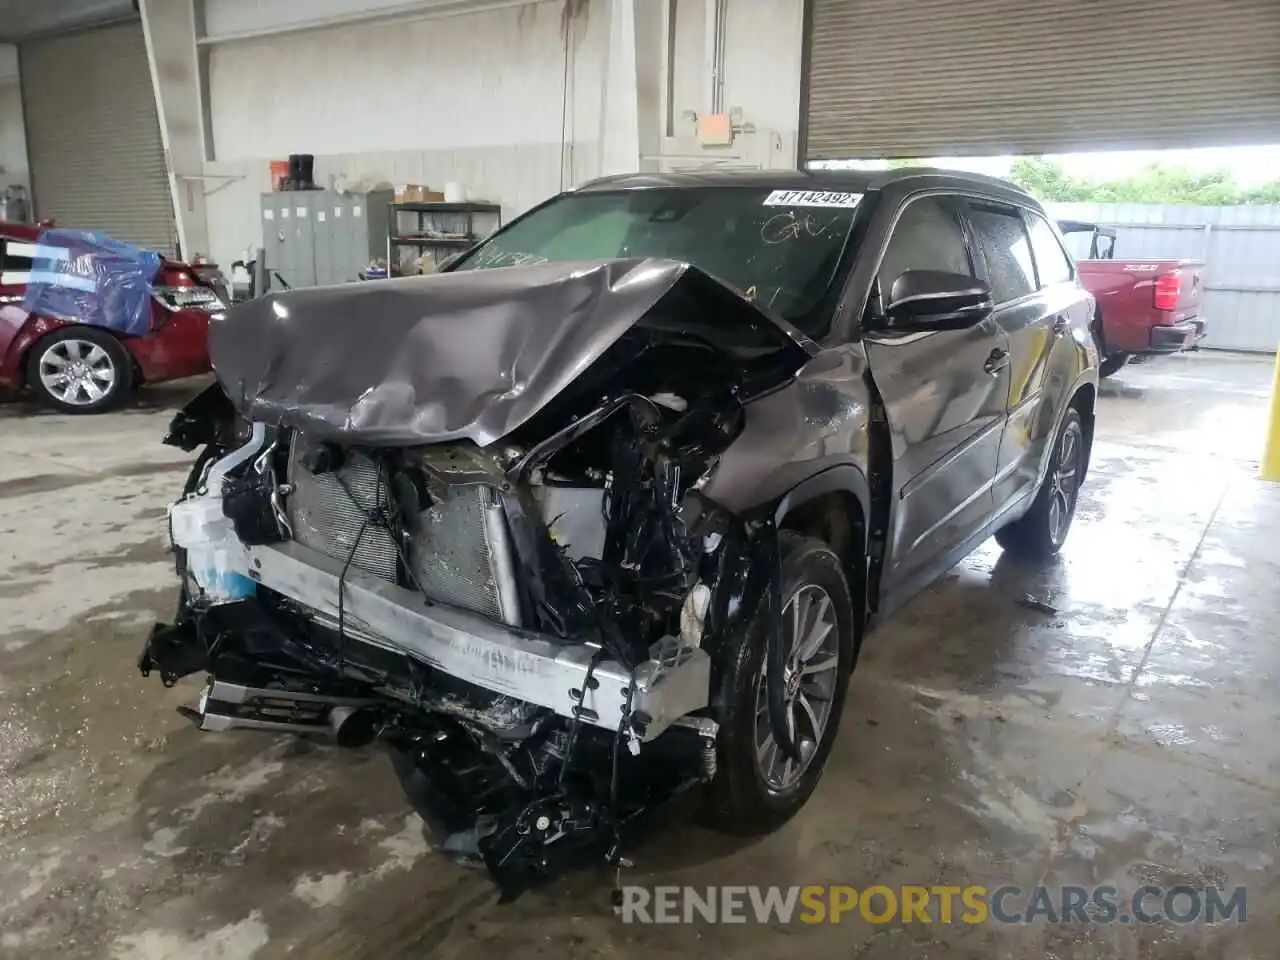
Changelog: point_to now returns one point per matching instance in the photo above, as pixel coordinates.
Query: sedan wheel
(77, 372)
(810, 681)
(80, 370)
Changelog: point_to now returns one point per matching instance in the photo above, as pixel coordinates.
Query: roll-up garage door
(927, 78)
(93, 136)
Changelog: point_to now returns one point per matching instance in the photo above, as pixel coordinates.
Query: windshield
(780, 248)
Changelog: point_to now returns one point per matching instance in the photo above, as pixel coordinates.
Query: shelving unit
(443, 228)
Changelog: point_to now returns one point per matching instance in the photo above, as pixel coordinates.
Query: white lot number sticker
(812, 198)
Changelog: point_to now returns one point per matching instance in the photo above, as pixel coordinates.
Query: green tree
(1158, 183)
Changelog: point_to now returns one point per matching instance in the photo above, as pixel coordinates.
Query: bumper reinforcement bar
(520, 664)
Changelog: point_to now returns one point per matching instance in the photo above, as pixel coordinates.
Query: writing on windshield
(779, 248)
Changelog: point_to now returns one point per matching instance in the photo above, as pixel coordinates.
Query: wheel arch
(833, 505)
(1084, 401)
(46, 328)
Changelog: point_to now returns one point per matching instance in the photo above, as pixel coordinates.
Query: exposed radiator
(459, 552)
(325, 519)
(453, 554)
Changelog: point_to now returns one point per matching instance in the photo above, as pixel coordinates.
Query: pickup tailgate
(1147, 306)
(1190, 289)
(1176, 295)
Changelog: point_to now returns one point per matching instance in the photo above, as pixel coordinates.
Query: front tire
(756, 789)
(80, 369)
(1042, 530)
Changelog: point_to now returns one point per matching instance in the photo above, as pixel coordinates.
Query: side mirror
(937, 300)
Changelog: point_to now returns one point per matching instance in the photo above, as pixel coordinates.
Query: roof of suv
(821, 179)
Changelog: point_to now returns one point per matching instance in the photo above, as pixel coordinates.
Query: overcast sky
(1249, 165)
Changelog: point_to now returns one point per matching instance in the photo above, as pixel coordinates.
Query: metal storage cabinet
(317, 237)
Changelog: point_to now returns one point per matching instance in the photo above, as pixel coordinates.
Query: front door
(945, 394)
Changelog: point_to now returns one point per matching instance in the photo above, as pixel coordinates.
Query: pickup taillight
(1168, 290)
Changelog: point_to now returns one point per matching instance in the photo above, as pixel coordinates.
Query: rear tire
(1042, 530)
(750, 794)
(1111, 364)
(80, 369)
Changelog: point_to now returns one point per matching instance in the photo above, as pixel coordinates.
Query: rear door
(945, 394)
(1039, 305)
(1027, 318)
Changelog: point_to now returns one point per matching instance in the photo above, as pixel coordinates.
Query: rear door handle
(1061, 323)
(997, 360)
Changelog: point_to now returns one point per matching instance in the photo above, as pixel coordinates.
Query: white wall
(478, 98)
(479, 80)
(13, 137)
(763, 44)
(763, 39)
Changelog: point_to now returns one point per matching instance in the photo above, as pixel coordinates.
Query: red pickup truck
(1144, 306)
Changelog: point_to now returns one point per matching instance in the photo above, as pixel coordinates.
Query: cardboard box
(417, 193)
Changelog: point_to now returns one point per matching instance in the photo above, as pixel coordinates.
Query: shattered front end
(515, 582)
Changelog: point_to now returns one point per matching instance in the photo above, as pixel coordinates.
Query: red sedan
(79, 368)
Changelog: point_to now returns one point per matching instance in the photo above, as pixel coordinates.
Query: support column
(631, 105)
(170, 30)
(620, 112)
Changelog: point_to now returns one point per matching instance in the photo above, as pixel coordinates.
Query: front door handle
(997, 360)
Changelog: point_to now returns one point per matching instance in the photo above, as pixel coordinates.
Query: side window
(1008, 251)
(15, 261)
(1052, 263)
(927, 236)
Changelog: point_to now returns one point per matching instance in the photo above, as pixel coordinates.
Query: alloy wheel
(812, 672)
(77, 372)
(1064, 485)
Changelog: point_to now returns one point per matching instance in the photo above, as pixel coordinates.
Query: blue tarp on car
(85, 277)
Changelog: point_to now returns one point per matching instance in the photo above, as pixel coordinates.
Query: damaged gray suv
(598, 516)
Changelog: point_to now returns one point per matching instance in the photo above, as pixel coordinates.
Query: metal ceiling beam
(420, 10)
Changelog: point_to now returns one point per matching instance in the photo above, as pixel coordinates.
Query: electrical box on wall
(715, 130)
(318, 237)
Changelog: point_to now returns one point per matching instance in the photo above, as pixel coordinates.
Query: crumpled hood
(471, 354)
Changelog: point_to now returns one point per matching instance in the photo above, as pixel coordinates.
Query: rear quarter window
(1052, 263)
(15, 261)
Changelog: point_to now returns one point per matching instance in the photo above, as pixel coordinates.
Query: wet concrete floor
(1128, 738)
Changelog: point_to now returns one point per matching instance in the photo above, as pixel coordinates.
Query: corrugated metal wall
(93, 135)
(1241, 249)
(930, 78)
(13, 135)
